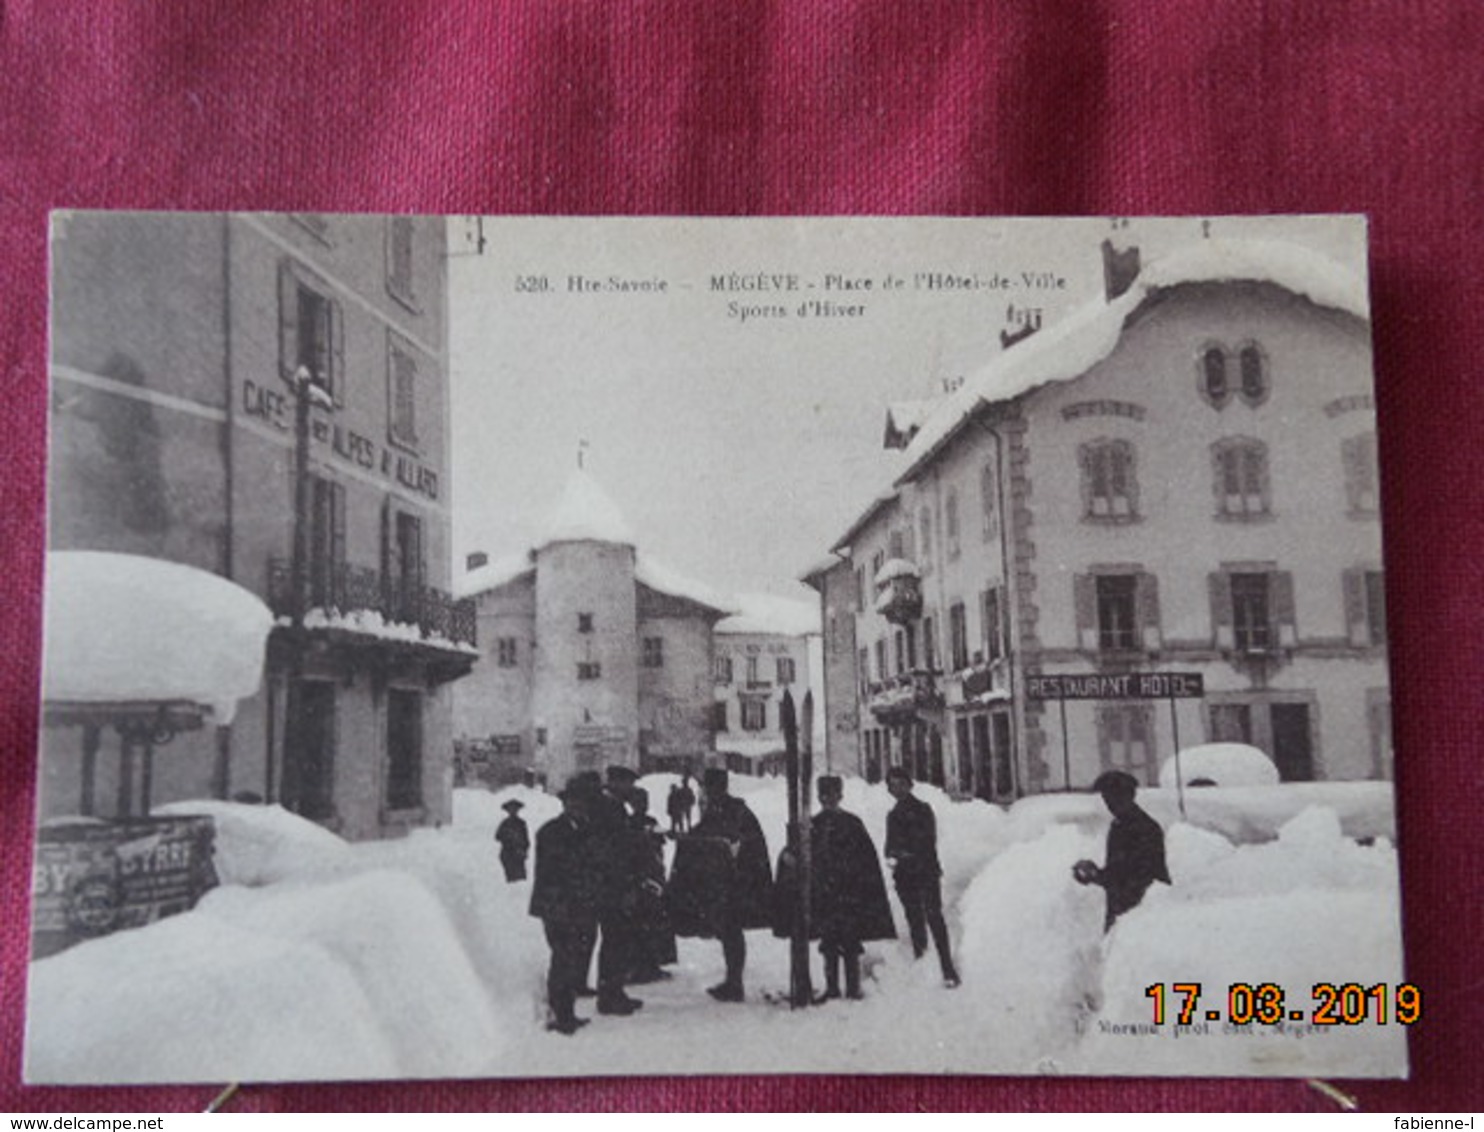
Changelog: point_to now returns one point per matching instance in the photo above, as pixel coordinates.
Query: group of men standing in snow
(600, 884)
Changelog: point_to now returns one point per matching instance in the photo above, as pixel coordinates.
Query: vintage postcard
(543, 647)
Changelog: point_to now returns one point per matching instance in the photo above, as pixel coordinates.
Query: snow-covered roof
(1069, 348)
(494, 574)
(768, 614)
(659, 576)
(585, 513)
(751, 748)
(903, 419)
(121, 628)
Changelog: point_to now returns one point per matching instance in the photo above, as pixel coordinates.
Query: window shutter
(337, 353)
(288, 320)
(1085, 599)
(1355, 612)
(1281, 583)
(388, 583)
(1148, 601)
(1221, 609)
(338, 580)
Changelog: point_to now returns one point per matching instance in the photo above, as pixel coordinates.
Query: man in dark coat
(1136, 848)
(564, 897)
(912, 848)
(721, 882)
(653, 940)
(515, 842)
(620, 860)
(847, 893)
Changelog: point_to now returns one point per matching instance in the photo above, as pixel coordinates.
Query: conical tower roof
(584, 513)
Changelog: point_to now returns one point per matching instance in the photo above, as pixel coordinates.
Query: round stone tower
(585, 690)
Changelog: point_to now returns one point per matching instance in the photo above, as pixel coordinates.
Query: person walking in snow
(912, 849)
(564, 898)
(515, 842)
(679, 803)
(847, 893)
(1135, 856)
(721, 883)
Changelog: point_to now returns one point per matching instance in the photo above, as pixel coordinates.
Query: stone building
(182, 345)
(592, 654)
(1153, 525)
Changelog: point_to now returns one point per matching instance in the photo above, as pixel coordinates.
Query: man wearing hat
(619, 858)
(1136, 848)
(721, 884)
(564, 898)
(515, 841)
(848, 894)
(912, 848)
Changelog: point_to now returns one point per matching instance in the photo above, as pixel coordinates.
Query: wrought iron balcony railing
(345, 588)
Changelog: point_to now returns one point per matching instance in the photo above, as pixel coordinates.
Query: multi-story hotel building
(763, 653)
(1179, 481)
(182, 347)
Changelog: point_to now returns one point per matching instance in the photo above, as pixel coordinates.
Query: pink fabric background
(1041, 107)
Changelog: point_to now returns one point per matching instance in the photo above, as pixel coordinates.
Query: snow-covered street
(321, 959)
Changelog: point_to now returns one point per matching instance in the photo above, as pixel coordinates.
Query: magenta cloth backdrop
(1040, 107)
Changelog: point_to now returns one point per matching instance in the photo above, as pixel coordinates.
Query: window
(1252, 609)
(404, 749)
(925, 533)
(1365, 607)
(399, 276)
(1252, 366)
(881, 670)
(895, 547)
(752, 676)
(958, 636)
(584, 622)
(723, 670)
(1117, 610)
(950, 522)
(719, 716)
(1109, 489)
(403, 559)
(1214, 387)
(326, 543)
(929, 645)
(310, 331)
(994, 623)
(401, 393)
(754, 714)
(1361, 479)
(860, 589)
(786, 670)
(653, 652)
(589, 670)
(505, 652)
(1126, 739)
(1241, 478)
(863, 671)
(989, 501)
(1217, 381)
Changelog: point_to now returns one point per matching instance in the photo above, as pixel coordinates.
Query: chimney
(475, 560)
(1120, 269)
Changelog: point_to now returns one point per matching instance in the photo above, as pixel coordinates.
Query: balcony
(358, 599)
(899, 591)
(899, 698)
(984, 681)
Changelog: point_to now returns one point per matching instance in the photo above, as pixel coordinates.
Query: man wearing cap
(912, 848)
(1135, 858)
(564, 897)
(515, 841)
(721, 883)
(848, 894)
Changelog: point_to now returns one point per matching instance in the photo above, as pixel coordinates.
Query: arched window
(1214, 385)
(1253, 368)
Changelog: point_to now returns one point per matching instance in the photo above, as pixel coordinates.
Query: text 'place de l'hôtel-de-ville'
(1179, 478)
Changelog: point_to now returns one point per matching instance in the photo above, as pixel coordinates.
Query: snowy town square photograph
(537, 647)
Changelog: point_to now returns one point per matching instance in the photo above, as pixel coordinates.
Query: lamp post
(306, 395)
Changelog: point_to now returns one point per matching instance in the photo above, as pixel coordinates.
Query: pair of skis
(798, 751)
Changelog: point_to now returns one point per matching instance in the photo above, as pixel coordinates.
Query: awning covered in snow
(124, 629)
